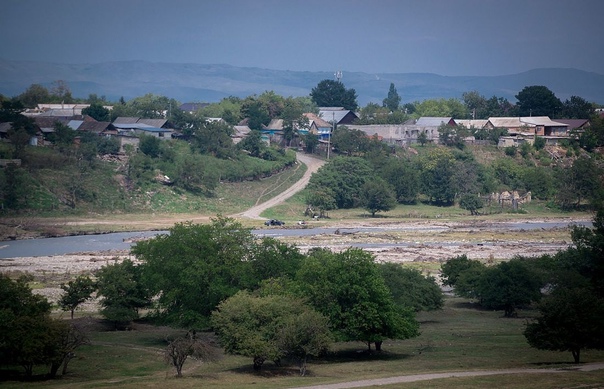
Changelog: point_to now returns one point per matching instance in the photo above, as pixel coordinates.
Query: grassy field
(460, 337)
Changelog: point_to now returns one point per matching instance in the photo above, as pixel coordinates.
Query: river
(124, 240)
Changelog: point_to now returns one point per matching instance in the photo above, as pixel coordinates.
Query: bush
(510, 151)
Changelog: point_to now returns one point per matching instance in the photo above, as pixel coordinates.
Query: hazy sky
(447, 37)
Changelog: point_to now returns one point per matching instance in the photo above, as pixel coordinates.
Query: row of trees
(265, 299)
(378, 179)
(567, 288)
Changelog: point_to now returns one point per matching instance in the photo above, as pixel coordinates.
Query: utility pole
(333, 127)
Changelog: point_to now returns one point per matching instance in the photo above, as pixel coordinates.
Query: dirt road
(313, 164)
(434, 376)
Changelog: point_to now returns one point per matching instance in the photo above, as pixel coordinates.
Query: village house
(526, 128)
(407, 133)
(339, 115)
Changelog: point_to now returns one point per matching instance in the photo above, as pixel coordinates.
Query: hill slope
(210, 83)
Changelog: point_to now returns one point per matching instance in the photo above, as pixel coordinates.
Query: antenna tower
(338, 75)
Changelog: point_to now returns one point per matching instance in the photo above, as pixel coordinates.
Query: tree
(463, 275)
(28, 335)
(538, 100)
(304, 335)
(471, 202)
(579, 182)
(348, 288)
(509, 285)
(76, 292)
(410, 288)
(122, 292)
(256, 113)
(577, 108)
(377, 195)
(213, 138)
(571, 319)
(60, 92)
(293, 118)
(438, 173)
(63, 136)
(311, 141)
(422, 138)
(195, 267)
(180, 349)
(344, 176)
(149, 145)
(393, 100)
(266, 328)
(193, 174)
(97, 112)
(404, 177)
(349, 141)
(452, 136)
(476, 104)
(329, 93)
(323, 199)
(34, 95)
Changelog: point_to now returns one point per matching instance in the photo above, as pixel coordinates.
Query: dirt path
(433, 376)
(313, 164)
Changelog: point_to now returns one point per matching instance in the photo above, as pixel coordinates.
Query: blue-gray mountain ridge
(187, 82)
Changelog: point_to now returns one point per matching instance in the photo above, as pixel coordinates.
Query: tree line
(265, 299)
(567, 289)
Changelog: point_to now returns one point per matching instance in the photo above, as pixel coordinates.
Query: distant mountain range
(211, 83)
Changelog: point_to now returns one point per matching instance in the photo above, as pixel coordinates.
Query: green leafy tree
(509, 285)
(580, 182)
(265, 328)
(329, 93)
(194, 267)
(393, 100)
(194, 174)
(438, 183)
(63, 136)
(403, 175)
(349, 141)
(344, 176)
(213, 138)
(322, 199)
(476, 104)
(304, 335)
(97, 111)
(122, 292)
(76, 292)
(577, 108)
(441, 108)
(29, 337)
(348, 288)
(422, 138)
(293, 118)
(500, 106)
(253, 144)
(35, 94)
(410, 288)
(256, 113)
(149, 145)
(538, 100)
(377, 196)
(571, 319)
(539, 181)
(463, 274)
(311, 142)
(471, 202)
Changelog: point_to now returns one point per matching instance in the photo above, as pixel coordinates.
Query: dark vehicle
(274, 222)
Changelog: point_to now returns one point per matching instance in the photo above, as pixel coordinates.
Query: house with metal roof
(430, 121)
(318, 126)
(471, 123)
(339, 115)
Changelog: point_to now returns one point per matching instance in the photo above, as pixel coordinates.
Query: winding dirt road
(313, 164)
